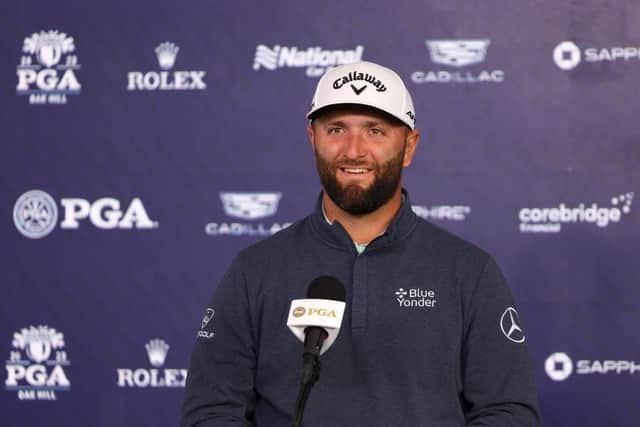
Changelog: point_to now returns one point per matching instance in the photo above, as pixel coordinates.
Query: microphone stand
(310, 369)
(310, 374)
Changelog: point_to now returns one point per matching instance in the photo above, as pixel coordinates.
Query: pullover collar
(335, 235)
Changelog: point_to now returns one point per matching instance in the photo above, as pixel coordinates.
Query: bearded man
(423, 340)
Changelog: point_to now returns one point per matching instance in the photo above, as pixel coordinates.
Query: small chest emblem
(416, 298)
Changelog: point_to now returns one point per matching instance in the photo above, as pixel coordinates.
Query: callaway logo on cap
(365, 83)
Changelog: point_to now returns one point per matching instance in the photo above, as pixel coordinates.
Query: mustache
(353, 164)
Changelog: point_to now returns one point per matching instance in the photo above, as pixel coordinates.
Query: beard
(354, 199)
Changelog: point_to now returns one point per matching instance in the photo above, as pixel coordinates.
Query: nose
(355, 146)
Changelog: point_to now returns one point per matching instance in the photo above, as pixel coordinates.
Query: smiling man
(360, 153)
(430, 335)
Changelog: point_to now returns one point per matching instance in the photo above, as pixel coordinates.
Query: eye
(376, 131)
(334, 130)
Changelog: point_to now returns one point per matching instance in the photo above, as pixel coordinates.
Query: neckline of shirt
(360, 247)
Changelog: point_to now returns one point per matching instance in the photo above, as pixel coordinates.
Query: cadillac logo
(457, 53)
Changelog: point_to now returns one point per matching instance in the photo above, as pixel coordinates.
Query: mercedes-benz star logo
(509, 323)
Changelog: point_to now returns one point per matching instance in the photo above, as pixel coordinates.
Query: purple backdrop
(134, 121)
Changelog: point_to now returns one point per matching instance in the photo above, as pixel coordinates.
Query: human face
(360, 154)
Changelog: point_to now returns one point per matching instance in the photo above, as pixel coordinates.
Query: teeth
(354, 170)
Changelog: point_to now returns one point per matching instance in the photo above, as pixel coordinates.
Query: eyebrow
(368, 123)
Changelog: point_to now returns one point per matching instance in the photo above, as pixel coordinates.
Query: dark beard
(353, 198)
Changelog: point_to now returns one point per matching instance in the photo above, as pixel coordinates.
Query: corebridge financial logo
(560, 366)
(156, 377)
(249, 207)
(37, 364)
(567, 55)
(316, 60)
(35, 214)
(455, 55)
(551, 219)
(165, 79)
(47, 69)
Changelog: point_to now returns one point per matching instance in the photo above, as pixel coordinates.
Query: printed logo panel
(48, 68)
(156, 377)
(454, 55)
(166, 80)
(35, 214)
(251, 207)
(315, 60)
(38, 364)
(552, 219)
(567, 55)
(442, 212)
(457, 53)
(560, 367)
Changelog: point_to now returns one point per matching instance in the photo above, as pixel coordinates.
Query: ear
(311, 133)
(412, 142)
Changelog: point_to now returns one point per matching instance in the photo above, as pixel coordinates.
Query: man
(429, 335)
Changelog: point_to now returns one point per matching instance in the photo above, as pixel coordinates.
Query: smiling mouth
(355, 171)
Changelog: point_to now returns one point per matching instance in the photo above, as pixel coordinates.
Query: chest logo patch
(416, 298)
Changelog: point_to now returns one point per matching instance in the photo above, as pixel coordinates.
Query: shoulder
(446, 242)
(470, 266)
(434, 245)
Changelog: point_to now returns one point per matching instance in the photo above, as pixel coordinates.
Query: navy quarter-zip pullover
(430, 336)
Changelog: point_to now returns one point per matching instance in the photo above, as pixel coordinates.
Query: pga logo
(48, 67)
(106, 213)
(35, 214)
(322, 312)
(37, 363)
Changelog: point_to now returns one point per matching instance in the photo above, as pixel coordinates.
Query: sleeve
(498, 384)
(220, 381)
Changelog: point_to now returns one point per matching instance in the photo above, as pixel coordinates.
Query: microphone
(316, 319)
(316, 322)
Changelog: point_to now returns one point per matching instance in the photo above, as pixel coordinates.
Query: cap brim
(314, 114)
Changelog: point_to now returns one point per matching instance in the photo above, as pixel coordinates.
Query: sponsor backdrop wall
(144, 144)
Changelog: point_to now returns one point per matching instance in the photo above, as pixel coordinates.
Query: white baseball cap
(364, 83)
